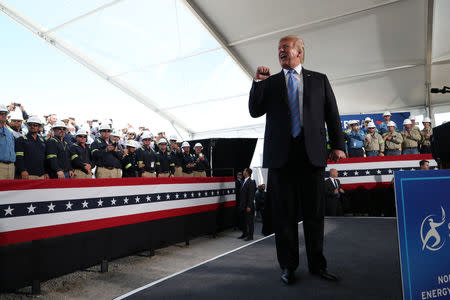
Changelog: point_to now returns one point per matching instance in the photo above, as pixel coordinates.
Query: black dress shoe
(249, 238)
(324, 274)
(288, 276)
(242, 237)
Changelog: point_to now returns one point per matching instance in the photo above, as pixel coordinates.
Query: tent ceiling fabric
(345, 40)
(373, 51)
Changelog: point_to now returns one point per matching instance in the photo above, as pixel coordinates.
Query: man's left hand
(336, 155)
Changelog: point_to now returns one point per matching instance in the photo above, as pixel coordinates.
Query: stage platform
(363, 252)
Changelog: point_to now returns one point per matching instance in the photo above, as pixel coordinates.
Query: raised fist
(262, 73)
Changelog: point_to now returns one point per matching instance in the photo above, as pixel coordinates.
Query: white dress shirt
(299, 78)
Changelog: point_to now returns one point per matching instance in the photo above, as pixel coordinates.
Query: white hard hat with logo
(146, 135)
(16, 115)
(198, 145)
(371, 125)
(367, 119)
(407, 122)
(163, 140)
(59, 124)
(104, 126)
(81, 132)
(391, 123)
(185, 144)
(4, 108)
(173, 137)
(426, 120)
(386, 113)
(34, 119)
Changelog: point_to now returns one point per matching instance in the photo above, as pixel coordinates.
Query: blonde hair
(298, 43)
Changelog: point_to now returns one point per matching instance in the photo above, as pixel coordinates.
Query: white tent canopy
(191, 61)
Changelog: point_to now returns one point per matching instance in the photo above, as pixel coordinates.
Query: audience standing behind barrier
(33, 149)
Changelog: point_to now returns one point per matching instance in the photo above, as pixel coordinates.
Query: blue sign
(423, 220)
(398, 118)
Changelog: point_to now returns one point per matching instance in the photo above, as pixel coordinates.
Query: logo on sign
(429, 234)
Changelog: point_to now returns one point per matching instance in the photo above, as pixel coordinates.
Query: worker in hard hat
(7, 153)
(15, 123)
(57, 153)
(426, 133)
(106, 155)
(80, 156)
(383, 127)
(201, 162)
(30, 152)
(414, 123)
(177, 155)
(356, 141)
(129, 161)
(373, 142)
(188, 160)
(392, 140)
(411, 138)
(146, 156)
(165, 166)
(364, 127)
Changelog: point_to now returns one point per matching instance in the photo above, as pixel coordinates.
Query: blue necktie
(293, 104)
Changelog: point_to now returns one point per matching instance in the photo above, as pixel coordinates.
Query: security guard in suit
(201, 162)
(80, 156)
(188, 160)
(146, 156)
(57, 153)
(106, 155)
(30, 152)
(165, 166)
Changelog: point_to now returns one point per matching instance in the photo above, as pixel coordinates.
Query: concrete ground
(134, 271)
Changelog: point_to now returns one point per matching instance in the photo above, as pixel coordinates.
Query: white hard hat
(16, 115)
(426, 120)
(371, 125)
(34, 119)
(367, 119)
(412, 118)
(104, 126)
(4, 108)
(185, 144)
(407, 122)
(131, 143)
(163, 140)
(391, 123)
(386, 113)
(107, 121)
(198, 145)
(59, 124)
(351, 122)
(132, 130)
(146, 135)
(81, 132)
(173, 138)
(115, 133)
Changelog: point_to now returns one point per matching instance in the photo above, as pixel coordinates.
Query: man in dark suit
(297, 104)
(334, 194)
(247, 205)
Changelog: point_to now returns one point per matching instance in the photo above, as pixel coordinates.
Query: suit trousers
(248, 219)
(295, 190)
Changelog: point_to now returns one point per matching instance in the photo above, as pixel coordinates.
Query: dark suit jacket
(329, 188)
(247, 194)
(319, 106)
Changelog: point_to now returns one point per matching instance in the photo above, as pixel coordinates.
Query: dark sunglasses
(34, 125)
(3, 113)
(59, 128)
(82, 136)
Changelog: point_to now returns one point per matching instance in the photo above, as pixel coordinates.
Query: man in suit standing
(334, 193)
(297, 103)
(247, 205)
